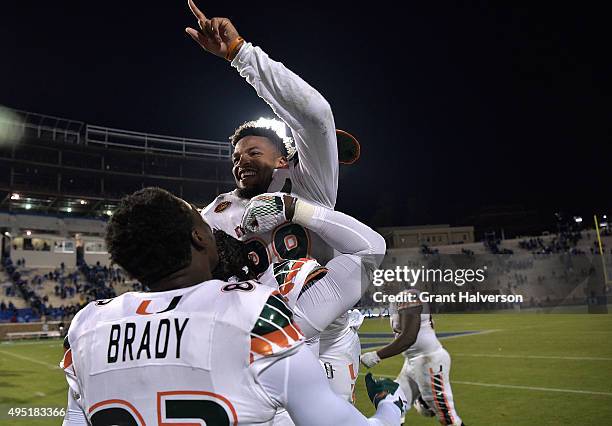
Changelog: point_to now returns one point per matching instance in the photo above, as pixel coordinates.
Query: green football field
(529, 369)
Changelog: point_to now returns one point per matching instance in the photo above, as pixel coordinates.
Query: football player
(265, 162)
(195, 349)
(426, 370)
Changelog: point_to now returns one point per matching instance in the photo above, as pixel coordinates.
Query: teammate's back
(178, 354)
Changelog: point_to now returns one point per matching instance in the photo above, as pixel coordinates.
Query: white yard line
(571, 358)
(475, 333)
(58, 342)
(27, 358)
(531, 388)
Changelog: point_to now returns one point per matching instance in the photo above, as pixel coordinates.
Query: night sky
(459, 109)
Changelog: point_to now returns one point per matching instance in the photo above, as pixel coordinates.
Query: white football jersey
(426, 341)
(286, 241)
(186, 355)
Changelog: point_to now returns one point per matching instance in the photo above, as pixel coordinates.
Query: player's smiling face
(254, 159)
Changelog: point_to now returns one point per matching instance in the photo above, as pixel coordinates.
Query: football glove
(380, 389)
(369, 359)
(355, 319)
(264, 213)
(422, 408)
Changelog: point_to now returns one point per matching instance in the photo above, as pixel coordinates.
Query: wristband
(304, 213)
(232, 49)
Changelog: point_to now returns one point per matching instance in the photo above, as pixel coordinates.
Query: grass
(529, 369)
(524, 351)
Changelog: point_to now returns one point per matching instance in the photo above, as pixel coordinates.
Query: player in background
(426, 370)
(264, 162)
(195, 348)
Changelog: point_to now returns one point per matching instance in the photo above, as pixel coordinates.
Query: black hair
(251, 128)
(234, 258)
(149, 235)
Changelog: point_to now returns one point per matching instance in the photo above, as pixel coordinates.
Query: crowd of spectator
(493, 246)
(564, 242)
(77, 287)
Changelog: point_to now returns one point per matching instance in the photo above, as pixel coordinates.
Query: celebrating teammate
(265, 162)
(426, 370)
(195, 348)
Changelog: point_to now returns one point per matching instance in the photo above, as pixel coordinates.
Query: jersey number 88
(289, 241)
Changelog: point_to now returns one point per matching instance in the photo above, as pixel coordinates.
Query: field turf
(529, 369)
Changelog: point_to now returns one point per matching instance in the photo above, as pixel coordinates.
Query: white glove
(264, 213)
(370, 359)
(355, 319)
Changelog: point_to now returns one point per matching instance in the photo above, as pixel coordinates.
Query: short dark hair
(251, 128)
(149, 234)
(233, 258)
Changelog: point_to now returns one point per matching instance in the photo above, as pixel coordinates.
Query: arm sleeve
(74, 413)
(348, 275)
(343, 233)
(308, 115)
(75, 416)
(297, 383)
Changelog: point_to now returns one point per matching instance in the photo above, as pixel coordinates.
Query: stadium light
(28, 206)
(276, 125)
(28, 233)
(15, 196)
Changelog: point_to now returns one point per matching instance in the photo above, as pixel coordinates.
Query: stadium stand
(548, 271)
(60, 181)
(70, 169)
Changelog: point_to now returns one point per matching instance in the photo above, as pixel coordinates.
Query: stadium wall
(45, 259)
(25, 327)
(18, 223)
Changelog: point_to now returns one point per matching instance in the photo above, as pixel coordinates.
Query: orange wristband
(233, 47)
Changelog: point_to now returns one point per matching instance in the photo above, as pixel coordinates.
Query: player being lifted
(264, 162)
(426, 370)
(194, 348)
(318, 294)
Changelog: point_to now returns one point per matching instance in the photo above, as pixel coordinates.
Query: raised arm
(294, 101)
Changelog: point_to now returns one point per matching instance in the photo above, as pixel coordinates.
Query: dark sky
(458, 108)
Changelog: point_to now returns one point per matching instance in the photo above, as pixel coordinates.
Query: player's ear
(198, 240)
(281, 162)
